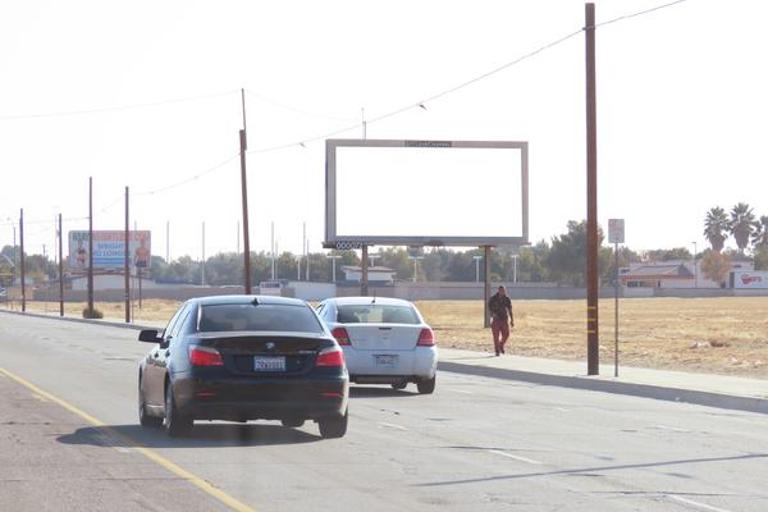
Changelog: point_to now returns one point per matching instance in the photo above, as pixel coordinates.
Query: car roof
(386, 301)
(215, 300)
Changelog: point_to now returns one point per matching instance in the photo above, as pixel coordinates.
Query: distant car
(241, 358)
(385, 341)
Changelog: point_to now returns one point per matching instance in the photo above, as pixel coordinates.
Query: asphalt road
(477, 444)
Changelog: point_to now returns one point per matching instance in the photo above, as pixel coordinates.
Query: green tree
(761, 258)
(678, 253)
(716, 227)
(567, 261)
(760, 235)
(742, 225)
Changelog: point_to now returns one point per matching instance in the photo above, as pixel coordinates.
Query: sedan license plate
(268, 364)
(386, 360)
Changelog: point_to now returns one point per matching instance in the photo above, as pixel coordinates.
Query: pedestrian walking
(502, 319)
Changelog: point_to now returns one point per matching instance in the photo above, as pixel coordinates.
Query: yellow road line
(177, 470)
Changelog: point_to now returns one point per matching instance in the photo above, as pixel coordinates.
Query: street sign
(616, 231)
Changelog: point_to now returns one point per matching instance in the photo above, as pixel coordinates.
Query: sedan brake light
(332, 356)
(341, 335)
(204, 356)
(426, 338)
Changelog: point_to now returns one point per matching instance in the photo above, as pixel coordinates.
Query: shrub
(92, 313)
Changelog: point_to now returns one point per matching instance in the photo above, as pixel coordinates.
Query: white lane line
(392, 425)
(673, 429)
(38, 397)
(702, 506)
(463, 392)
(516, 457)
(561, 409)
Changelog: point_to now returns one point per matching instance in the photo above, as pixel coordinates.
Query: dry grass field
(717, 335)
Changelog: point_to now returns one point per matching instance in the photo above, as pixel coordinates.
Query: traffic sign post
(616, 237)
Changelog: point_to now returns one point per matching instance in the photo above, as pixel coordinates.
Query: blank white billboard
(443, 192)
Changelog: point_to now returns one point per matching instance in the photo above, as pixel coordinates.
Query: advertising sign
(109, 249)
(750, 279)
(616, 231)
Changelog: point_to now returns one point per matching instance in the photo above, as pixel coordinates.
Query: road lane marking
(516, 457)
(702, 506)
(463, 392)
(392, 425)
(673, 429)
(177, 470)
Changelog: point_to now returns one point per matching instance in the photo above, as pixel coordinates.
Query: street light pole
(695, 267)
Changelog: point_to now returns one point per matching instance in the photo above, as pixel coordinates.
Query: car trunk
(266, 354)
(379, 336)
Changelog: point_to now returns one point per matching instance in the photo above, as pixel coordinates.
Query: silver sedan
(385, 341)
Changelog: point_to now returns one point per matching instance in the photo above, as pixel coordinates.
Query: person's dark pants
(500, 330)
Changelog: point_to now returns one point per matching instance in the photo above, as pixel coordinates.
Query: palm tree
(760, 235)
(742, 225)
(716, 228)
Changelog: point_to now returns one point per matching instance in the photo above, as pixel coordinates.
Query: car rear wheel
(427, 387)
(333, 427)
(292, 422)
(145, 420)
(176, 424)
(399, 386)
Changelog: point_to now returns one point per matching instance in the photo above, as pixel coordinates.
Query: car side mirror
(150, 336)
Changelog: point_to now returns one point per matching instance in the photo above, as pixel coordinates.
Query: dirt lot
(718, 335)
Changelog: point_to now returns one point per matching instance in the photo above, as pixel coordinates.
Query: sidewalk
(721, 391)
(704, 389)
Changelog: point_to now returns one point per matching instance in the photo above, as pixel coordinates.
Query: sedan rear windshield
(258, 317)
(378, 314)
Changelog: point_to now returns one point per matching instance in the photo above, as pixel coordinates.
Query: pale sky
(682, 109)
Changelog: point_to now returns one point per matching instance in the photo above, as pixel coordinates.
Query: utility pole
(23, 273)
(307, 264)
(304, 243)
(272, 248)
(333, 258)
(238, 237)
(477, 267)
(487, 287)
(202, 261)
(244, 187)
(61, 269)
(514, 268)
(593, 338)
(364, 268)
(126, 263)
(90, 245)
(695, 267)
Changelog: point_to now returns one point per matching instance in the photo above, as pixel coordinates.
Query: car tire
(293, 422)
(427, 386)
(145, 420)
(333, 427)
(175, 423)
(399, 386)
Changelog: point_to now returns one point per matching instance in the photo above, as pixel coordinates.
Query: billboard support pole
(244, 193)
(127, 267)
(487, 286)
(593, 339)
(61, 269)
(364, 268)
(23, 273)
(140, 278)
(90, 245)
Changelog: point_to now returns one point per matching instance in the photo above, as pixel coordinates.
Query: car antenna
(255, 301)
(374, 297)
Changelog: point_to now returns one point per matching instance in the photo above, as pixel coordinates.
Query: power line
(296, 110)
(188, 180)
(421, 103)
(116, 108)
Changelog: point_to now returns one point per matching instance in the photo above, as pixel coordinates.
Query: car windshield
(377, 313)
(261, 317)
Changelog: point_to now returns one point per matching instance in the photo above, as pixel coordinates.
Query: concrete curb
(718, 400)
(107, 323)
(721, 401)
